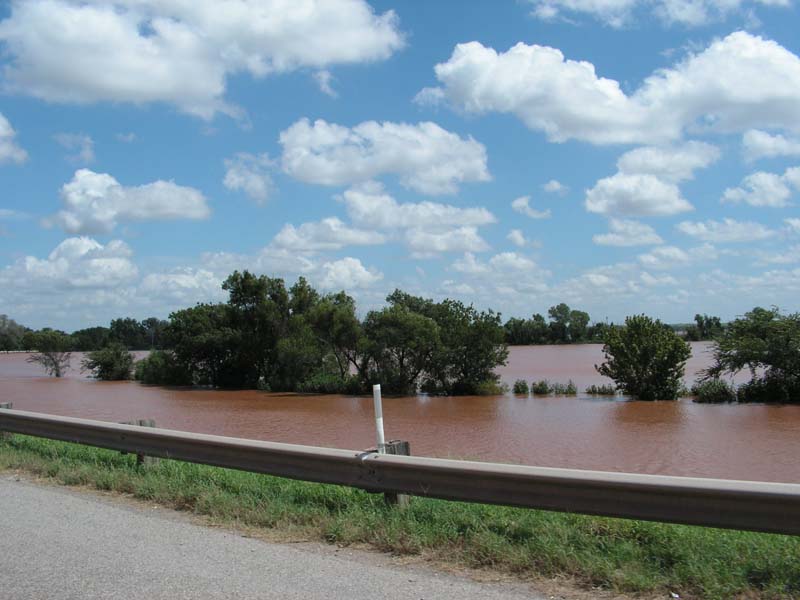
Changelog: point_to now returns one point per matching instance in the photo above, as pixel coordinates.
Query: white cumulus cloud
(522, 206)
(760, 144)
(96, 203)
(555, 187)
(80, 145)
(10, 152)
(669, 163)
(623, 232)
(182, 53)
(765, 189)
(424, 156)
(635, 196)
(737, 83)
(726, 230)
(327, 234)
(249, 173)
(347, 273)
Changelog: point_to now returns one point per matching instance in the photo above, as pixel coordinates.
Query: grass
(624, 556)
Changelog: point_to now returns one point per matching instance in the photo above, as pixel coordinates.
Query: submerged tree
(112, 363)
(52, 350)
(645, 358)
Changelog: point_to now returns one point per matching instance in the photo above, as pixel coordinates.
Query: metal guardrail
(745, 505)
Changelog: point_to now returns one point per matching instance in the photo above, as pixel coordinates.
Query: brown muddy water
(754, 442)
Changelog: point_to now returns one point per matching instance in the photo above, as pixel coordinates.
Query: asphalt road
(59, 543)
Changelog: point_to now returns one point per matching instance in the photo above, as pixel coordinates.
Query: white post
(376, 396)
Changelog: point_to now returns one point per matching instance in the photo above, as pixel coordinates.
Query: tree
(111, 363)
(767, 344)
(11, 334)
(578, 325)
(91, 338)
(52, 351)
(705, 328)
(130, 333)
(559, 323)
(645, 358)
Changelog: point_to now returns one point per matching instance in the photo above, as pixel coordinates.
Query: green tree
(645, 358)
(334, 322)
(129, 332)
(11, 334)
(578, 325)
(559, 323)
(112, 363)
(91, 338)
(767, 344)
(52, 350)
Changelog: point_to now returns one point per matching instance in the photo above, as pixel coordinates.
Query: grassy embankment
(625, 556)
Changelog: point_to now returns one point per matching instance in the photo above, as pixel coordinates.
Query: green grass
(624, 556)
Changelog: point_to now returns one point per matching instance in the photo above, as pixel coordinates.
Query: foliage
(112, 363)
(52, 350)
(767, 344)
(521, 387)
(630, 558)
(331, 383)
(705, 328)
(490, 388)
(645, 358)
(713, 391)
(565, 326)
(161, 367)
(602, 390)
(91, 338)
(565, 389)
(541, 387)
(11, 334)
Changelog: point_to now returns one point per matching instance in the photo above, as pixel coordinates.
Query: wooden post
(143, 459)
(399, 448)
(4, 435)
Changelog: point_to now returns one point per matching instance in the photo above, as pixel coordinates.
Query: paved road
(63, 544)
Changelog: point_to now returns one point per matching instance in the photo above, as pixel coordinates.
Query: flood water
(754, 442)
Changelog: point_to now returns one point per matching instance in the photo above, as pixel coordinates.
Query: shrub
(713, 391)
(645, 358)
(112, 363)
(565, 389)
(330, 383)
(770, 389)
(521, 387)
(161, 367)
(490, 387)
(541, 388)
(602, 390)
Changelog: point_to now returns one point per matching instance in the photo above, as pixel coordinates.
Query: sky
(622, 156)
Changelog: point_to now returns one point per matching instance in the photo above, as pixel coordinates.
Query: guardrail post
(401, 448)
(142, 459)
(4, 435)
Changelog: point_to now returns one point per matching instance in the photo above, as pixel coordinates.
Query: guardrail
(746, 505)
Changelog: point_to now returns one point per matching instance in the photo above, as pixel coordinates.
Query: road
(62, 544)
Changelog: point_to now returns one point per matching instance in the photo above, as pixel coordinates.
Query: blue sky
(622, 156)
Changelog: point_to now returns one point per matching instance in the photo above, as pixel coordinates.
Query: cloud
(324, 79)
(10, 152)
(727, 230)
(347, 273)
(327, 234)
(76, 263)
(738, 82)
(427, 228)
(523, 207)
(669, 163)
(515, 237)
(760, 144)
(793, 225)
(80, 144)
(635, 196)
(425, 157)
(627, 233)
(789, 256)
(765, 189)
(672, 257)
(555, 187)
(182, 53)
(425, 243)
(249, 173)
(96, 203)
(619, 13)
(126, 138)
(183, 286)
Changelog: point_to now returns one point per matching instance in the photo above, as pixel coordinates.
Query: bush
(521, 387)
(162, 368)
(770, 389)
(541, 388)
(565, 389)
(490, 387)
(602, 390)
(330, 383)
(112, 363)
(645, 358)
(713, 391)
